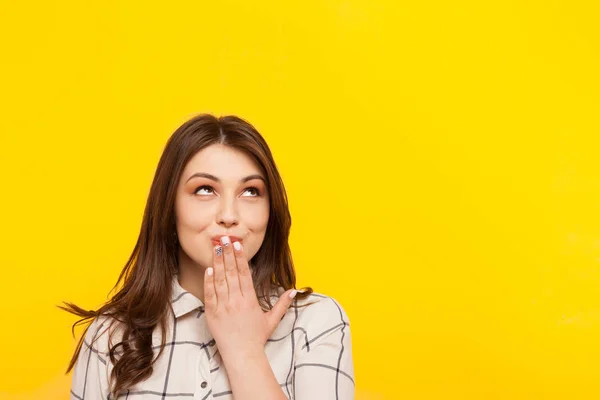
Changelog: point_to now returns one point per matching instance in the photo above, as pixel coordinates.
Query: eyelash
(258, 192)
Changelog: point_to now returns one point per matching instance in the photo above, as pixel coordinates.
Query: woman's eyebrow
(214, 178)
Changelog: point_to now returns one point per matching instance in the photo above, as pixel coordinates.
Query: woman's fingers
(231, 269)
(245, 275)
(210, 296)
(231, 278)
(220, 281)
(279, 309)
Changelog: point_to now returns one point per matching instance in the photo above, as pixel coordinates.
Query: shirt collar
(183, 301)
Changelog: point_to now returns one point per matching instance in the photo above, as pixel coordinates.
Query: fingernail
(219, 250)
(293, 293)
(225, 240)
(209, 271)
(237, 246)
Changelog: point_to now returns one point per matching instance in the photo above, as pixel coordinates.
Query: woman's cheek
(256, 217)
(201, 253)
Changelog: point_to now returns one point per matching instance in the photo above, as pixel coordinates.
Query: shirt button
(203, 385)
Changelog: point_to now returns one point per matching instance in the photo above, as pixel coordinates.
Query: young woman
(207, 306)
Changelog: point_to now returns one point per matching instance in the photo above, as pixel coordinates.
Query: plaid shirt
(310, 353)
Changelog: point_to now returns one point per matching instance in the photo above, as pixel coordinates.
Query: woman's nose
(227, 221)
(227, 213)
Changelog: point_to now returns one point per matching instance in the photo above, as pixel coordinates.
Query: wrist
(243, 355)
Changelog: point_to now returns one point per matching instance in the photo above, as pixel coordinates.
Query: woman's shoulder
(102, 333)
(320, 305)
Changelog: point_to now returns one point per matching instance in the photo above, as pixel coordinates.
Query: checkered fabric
(310, 353)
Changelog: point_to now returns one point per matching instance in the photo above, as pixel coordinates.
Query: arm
(251, 377)
(240, 327)
(324, 369)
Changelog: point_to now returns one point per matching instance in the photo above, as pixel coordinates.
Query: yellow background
(441, 159)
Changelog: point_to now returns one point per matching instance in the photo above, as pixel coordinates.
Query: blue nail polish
(219, 250)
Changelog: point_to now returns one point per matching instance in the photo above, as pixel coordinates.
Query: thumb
(279, 309)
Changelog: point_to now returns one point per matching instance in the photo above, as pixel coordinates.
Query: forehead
(222, 161)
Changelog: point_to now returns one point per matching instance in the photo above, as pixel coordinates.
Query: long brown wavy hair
(143, 301)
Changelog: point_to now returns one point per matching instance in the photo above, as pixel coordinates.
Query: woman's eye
(203, 187)
(255, 189)
(257, 192)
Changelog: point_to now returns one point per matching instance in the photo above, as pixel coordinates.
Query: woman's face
(221, 192)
